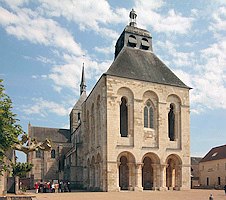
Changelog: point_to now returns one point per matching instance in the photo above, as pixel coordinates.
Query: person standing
(36, 187)
(225, 189)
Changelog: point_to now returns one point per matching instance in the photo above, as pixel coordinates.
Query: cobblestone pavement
(146, 195)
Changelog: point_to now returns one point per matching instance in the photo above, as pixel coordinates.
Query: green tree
(11, 131)
(21, 169)
(9, 127)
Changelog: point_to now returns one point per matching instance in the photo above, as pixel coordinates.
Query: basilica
(132, 132)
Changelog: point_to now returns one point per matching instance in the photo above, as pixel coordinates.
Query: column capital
(164, 165)
(138, 165)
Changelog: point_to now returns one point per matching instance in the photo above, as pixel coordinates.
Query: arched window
(79, 117)
(53, 153)
(145, 44)
(38, 154)
(88, 129)
(132, 42)
(98, 121)
(123, 117)
(148, 115)
(92, 125)
(171, 123)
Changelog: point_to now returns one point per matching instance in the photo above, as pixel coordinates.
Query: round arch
(173, 172)
(126, 169)
(149, 170)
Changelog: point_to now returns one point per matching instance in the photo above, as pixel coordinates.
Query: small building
(212, 168)
(48, 165)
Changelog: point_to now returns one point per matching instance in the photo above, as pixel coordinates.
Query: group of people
(52, 187)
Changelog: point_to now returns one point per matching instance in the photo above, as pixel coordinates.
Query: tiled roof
(143, 65)
(215, 153)
(54, 134)
(195, 160)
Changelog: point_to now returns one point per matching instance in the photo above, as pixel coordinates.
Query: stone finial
(132, 16)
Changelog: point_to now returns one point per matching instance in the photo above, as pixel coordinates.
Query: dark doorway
(147, 174)
(123, 174)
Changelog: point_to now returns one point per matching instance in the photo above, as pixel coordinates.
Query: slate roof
(78, 104)
(215, 153)
(143, 65)
(195, 160)
(54, 134)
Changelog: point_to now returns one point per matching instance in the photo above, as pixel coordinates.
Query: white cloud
(206, 76)
(104, 50)
(177, 58)
(34, 76)
(92, 15)
(25, 24)
(16, 3)
(43, 107)
(45, 60)
(172, 22)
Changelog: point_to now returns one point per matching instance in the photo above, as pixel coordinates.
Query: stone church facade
(133, 130)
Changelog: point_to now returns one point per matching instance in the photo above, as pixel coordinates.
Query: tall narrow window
(123, 118)
(145, 117)
(98, 121)
(219, 180)
(151, 117)
(171, 123)
(207, 181)
(92, 125)
(79, 116)
(148, 115)
(53, 153)
(38, 154)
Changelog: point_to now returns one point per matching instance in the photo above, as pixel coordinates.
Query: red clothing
(36, 186)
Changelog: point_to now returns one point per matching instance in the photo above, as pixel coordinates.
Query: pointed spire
(83, 82)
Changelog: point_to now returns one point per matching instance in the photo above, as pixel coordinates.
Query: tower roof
(83, 82)
(143, 65)
(134, 58)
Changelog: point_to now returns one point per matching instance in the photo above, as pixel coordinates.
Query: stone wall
(214, 171)
(141, 141)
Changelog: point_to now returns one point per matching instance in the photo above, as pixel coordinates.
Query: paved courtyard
(146, 195)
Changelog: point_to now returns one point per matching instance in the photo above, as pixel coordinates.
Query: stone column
(163, 177)
(178, 175)
(138, 186)
(96, 176)
(131, 186)
(155, 177)
(117, 174)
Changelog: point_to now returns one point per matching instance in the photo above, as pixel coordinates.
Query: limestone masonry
(133, 130)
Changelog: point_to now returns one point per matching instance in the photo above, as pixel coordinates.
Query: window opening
(145, 44)
(53, 153)
(148, 115)
(123, 118)
(132, 41)
(171, 123)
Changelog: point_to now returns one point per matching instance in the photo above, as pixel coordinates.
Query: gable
(143, 65)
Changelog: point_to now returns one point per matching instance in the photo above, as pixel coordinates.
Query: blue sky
(43, 44)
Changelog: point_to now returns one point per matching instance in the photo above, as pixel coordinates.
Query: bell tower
(133, 37)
